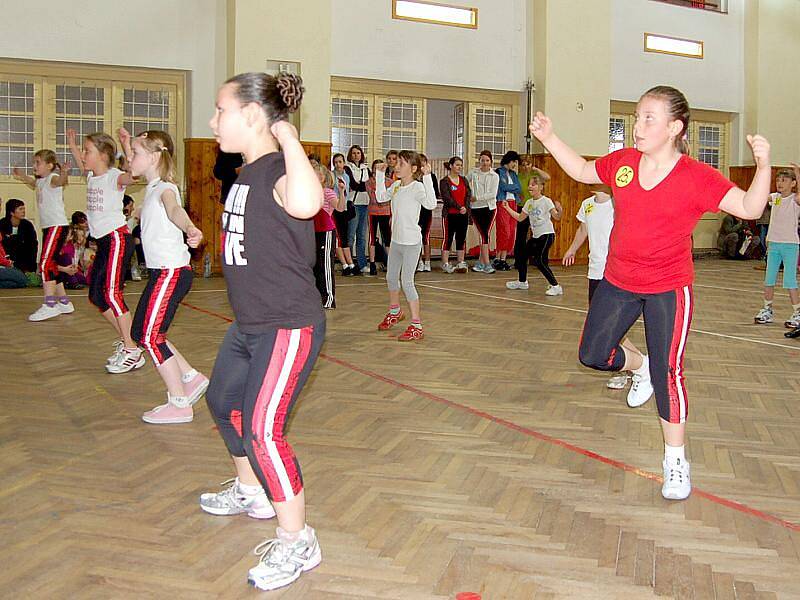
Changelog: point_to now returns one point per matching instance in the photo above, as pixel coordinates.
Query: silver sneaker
(119, 346)
(231, 501)
(764, 316)
(127, 360)
(618, 382)
(793, 321)
(281, 563)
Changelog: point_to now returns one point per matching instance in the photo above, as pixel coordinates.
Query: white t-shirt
(104, 203)
(162, 240)
(599, 219)
(783, 220)
(50, 202)
(538, 212)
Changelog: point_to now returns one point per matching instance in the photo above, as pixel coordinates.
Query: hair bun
(290, 87)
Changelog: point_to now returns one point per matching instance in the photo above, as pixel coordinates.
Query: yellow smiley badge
(624, 176)
(589, 208)
(777, 201)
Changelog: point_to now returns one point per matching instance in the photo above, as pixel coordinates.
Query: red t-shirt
(458, 193)
(650, 249)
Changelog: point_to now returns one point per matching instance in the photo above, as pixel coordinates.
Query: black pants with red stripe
(165, 290)
(455, 225)
(382, 223)
(107, 284)
(323, 267)
(52, 240)
(667, 318)
(425, 219)
(483, 219)
(255, 384)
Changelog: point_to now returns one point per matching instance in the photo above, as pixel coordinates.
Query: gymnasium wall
(178, 34)
(368, 43)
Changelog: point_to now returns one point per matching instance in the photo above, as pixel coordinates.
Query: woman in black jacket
(19, 237)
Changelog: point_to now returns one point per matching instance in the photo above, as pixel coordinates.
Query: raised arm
(429, 201)
(125, 142)
(72, 140)
(299, 191)
(341, 199)
(581, 235)
(63, 175)
(750, 204)
(177, 214)
(381, 193)
(19, 175)
(573, 163)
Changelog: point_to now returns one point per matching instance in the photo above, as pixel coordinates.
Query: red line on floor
(732, 504)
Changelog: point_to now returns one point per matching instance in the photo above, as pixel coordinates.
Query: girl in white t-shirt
(541, 211)
(49, 187)
(105, 187)
(596, 216)
(164, 222)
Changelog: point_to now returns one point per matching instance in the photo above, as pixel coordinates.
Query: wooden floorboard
(482, 459)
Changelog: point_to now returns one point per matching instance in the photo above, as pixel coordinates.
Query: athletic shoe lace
(273, 553)
(675, 472)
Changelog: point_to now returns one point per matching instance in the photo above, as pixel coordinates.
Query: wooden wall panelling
(743, 175)
(203, 191)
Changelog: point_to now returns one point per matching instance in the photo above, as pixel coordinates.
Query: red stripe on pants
(113, 289)
(156, 309)
(678, 401)
(444, 233)
(47, 261)
(273, 453)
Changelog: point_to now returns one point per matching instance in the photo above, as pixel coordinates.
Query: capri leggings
(107, 284)
(425, 218)
(538, 249)
(483, 219)
(777, 253)
(255, 384)
(400, 268)
(667, 319)
(455, 225)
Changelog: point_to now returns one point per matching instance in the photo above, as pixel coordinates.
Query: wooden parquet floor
(484, 459)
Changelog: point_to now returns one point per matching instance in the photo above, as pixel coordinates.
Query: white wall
(368, 43)
(716, 82)
(176, 34)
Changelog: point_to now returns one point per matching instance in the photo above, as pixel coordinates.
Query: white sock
(292, 537)
(187, 377)
(352, 265)
(644, 370)
(249, 490)
(674, 452)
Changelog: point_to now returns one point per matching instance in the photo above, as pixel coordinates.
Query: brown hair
(160, 142)
(788, 173)
(677, 109)
(486, 153)
(48, 157)
(350, 153)
(412, 158)
(105, 144)
(392, 153)
(278, 95)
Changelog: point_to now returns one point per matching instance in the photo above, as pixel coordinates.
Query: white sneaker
(119, 346)
(478, 267)
(517, 285)
(128, 360)
(231, 501)
(45, 312)
(65, 309)
(618, 382)
(764, 316)
(427, 268)
(488, 268)
(448, 268)
(282, 562)
(677, 481)
(793, 321)
(554, 290)
(421, 267)
(641, 388)
(462, 267)
(136, 273)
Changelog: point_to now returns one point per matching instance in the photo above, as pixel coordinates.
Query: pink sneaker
(168, 413)
(194, 390)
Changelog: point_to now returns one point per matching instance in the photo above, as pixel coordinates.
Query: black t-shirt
(268, 256)
(225, 171)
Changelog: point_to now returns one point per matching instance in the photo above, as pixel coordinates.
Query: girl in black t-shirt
(269, 351)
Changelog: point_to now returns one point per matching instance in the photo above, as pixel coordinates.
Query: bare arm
(429, 201)
(19, 175)
(573, 163)
(72, 140)
(341, 199)
(558, 211)
(581, 235)
(125, 142)
(519, 216)
(750, 204)
(177, 214)
(299, 191)
(63, 175)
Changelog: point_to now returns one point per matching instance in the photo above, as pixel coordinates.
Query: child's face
(142, 161)
(485, 162)
(784, 184)
(391, 161)
(653, 128)
(229, 123)
(19, 212)
(404, 169)
(93, 159)
(41, 168)
(338, 163)
(534, 188)
(455, 168)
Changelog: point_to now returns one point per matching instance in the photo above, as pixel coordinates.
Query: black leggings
(323, 267)
(425, 218)
(483, 219)
(537, 249)
(520, 242)
(384, 223)
(667, 318)
(455, 224)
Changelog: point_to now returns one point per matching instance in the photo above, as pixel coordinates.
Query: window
(490, 129)
(350, 123)
(662, 44)
(17, 124)
(707, 143)
(40, 101)
(720, 6)
(400, 126)
(458, 130)
(620, 131)
(433, 12)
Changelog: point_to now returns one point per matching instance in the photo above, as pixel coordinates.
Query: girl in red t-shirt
(456, 201)
(660, 194)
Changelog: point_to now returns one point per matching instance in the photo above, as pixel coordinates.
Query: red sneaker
(411, 333)
(390, 320)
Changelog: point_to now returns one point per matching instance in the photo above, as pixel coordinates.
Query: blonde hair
(160, 142)
(105, 144)
(327, 176)
(48, 157)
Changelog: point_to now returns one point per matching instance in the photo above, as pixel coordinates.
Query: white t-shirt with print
(538, 212)
(599, 220)
(104, 203)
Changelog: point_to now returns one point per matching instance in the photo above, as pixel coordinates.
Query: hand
(381, 166)
(193, 236)
(569, 258)
(760, 147)
(462, 210)
(340, 185)
(284, 131)
(72, 137)
(541, 127)
(71, 270)
(18, 173)
(795, 167)
(66, 166)
(124, 137)
(426, 169)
